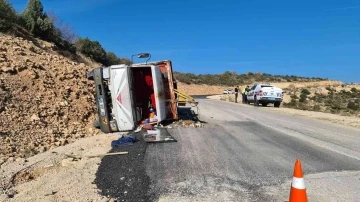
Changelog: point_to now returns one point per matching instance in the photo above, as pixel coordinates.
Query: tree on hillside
(36, 21)
(8, 15)
(66, 31)
(126, 61)
(91, 49)
(112, 59)
(228, 78)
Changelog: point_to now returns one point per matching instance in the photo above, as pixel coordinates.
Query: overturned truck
(127, 94)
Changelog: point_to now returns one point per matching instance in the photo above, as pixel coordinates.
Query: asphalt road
(247, 153)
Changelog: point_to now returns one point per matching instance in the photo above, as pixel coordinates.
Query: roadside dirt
(56, 177)
(352, 121)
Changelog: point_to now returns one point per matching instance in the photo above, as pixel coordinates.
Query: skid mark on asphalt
(319, 159)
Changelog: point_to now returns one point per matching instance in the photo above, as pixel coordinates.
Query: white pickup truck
(264, 94)
(227, 92)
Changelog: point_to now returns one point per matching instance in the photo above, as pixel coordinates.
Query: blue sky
(318, 38)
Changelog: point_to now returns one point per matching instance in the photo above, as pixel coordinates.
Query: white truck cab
(264, 94)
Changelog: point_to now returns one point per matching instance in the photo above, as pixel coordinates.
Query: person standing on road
(236, 93)
(243, 95)
(247, 89)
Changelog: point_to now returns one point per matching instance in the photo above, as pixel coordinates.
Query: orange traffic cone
(298, 190)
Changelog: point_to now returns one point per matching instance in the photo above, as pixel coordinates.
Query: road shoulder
(348, 121)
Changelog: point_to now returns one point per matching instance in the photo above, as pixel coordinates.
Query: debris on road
(108, 154)
(158, 135)
(124, 177)
(123, 141)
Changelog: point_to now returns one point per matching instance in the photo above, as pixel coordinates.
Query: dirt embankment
(45, 98)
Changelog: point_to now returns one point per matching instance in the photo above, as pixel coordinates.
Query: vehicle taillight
(260, 93)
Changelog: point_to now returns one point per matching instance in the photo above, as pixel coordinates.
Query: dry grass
(228, 98)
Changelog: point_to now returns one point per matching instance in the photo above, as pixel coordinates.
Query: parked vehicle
(227, 92)
(127, 94)
(264, 94)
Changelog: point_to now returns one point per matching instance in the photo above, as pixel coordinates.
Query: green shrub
(354, 90)
(302, 98)
(91, 49)
(316, 108)
(305, 91)
(292, 103)
(294, 96)
(303, 106)
(343, 91)
(353, 106)
(334, 103)
(8, 16)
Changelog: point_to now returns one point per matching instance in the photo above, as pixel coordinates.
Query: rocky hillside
(45, 98)
(342, 99)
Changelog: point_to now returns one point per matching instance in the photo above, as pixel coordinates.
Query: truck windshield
(262, 86)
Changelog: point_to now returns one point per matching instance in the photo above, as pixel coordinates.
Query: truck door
(122, 98)
(159, 93)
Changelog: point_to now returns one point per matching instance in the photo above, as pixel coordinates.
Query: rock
(3, 197)
(21, 160)
(198, 125)
(35, 117)
(63, 141)
(42, 149)
(321, 91)
(10, 193)
(68, 162)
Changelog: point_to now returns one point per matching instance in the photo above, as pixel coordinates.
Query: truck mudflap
(101, 99)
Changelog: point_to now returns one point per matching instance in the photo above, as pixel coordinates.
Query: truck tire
(96, 124)
(277, 104)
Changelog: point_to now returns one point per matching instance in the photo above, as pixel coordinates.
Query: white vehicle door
(159, 92)
(251, 93)
(122, 99)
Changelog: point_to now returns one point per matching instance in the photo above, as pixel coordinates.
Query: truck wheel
(96, 124)
(256, 102)
(277, 104)
(264, 104)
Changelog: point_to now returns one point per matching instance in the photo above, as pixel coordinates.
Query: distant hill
(232, 78)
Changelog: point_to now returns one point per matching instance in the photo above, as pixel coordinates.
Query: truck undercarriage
(127, 95)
